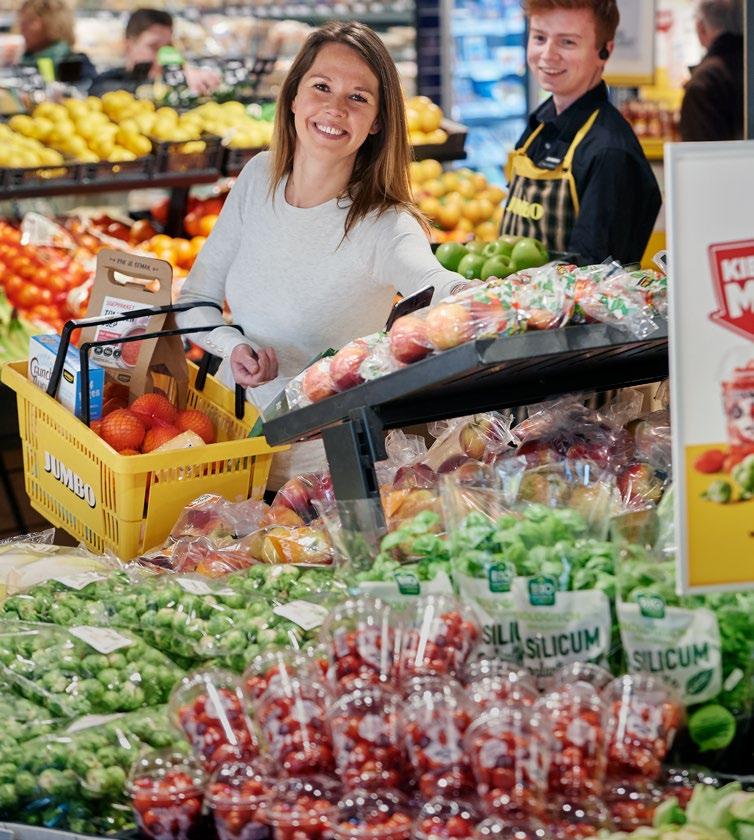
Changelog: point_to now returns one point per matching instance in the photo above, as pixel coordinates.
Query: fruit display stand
(476, 376)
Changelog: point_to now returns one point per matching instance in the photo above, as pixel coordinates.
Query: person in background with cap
(578, 178)
(713, 102)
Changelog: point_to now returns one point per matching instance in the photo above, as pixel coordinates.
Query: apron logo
(526, 209)
(732, 265)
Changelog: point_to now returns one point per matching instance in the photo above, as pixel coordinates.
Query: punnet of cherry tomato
(393, 727)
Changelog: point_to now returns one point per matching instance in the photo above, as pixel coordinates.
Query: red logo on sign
(732, 266)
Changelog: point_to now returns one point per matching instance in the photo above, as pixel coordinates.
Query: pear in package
(125, 284)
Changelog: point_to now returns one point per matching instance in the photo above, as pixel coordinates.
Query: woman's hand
(251, 369)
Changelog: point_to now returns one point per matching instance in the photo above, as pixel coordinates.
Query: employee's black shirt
(618, 193)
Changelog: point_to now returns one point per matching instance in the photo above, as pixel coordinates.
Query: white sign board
(633, 59)
(710, 208)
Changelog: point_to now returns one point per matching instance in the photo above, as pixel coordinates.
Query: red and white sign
(732, 266)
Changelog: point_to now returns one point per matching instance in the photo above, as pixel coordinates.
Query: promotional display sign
(710, 194)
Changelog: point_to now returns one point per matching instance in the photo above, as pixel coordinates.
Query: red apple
(408, 339)
(317, 383)
(488, 315)
(344, 369)
(638, 483)
(449, 325)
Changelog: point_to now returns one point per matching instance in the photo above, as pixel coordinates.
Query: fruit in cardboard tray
(193, 420)
(471, 266)
(123, 429)
(344, 369)
(317, 383)
(154, 409)
(529, 253)
(408, 339)
(448, 325)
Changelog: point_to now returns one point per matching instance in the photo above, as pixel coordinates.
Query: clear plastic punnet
(210, 708)
(442, 818)
(362, 637)
(586, 672)
(303, 807)
(495, 828)
(490, 682)
(439, 637)
(237, 796)
(569, 819)
(578, 721)
(167, 791)
(291, 717)
(370, 815)
(509, 750)
(367, 732)
(437, 714)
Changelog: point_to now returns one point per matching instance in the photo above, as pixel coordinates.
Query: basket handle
(127, 339)
(99, 320)
(201, 378)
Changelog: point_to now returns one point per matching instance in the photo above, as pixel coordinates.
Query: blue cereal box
(43, 350)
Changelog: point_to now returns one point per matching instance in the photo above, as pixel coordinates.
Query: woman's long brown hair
(380, 177)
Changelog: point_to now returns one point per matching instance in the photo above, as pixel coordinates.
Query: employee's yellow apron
(543, 203)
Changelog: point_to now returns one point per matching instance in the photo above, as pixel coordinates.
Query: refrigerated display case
(486, 83)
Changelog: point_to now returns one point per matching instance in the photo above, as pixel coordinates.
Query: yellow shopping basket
(128, 503)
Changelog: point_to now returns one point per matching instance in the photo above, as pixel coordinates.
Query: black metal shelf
(477, 376)
(487, 374)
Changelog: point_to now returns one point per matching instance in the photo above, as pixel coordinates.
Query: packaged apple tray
(126, 503)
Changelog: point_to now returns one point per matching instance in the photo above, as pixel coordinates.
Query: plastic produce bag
(297, 501)
(22, 721)
(83, 670)
(219, 519)
(76, 779)
(31, 563)
(480, 437)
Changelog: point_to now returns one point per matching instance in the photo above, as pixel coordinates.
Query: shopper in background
(318, 234)
(713, 102)
(579, 180)
(147, 31)
(47, 27)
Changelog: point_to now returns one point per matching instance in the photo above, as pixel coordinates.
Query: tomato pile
(38, 280)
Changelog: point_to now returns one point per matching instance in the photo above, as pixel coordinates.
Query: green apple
(449, 254)
(476, 246)
(497, 266)
(502, 245)
(470, 266)
(529, 253)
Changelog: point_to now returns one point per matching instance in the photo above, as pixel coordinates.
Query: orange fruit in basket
(96, 426)
(123, 429)
(193, 420)
(206, 223)
(115, 389)
(129, 452)
(113, 404)
(158, 435)
(154, 409)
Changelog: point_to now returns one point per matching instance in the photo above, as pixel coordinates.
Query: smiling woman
(319, 234)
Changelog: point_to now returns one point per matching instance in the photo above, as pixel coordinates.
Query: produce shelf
(477, 376)
(489, 373)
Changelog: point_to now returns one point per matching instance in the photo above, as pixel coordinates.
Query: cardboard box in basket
(125, 283)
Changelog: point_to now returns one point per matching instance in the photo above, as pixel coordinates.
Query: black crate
(454, 148)
(236, 159)
(176, 157)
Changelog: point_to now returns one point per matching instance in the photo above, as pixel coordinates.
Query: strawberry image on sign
(732, 265)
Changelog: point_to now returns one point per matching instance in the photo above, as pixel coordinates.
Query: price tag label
(308, 616)
(78, 580)
(199, 587)
(102, 639)
(88, 721)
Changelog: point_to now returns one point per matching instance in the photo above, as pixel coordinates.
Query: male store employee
(578, 178)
